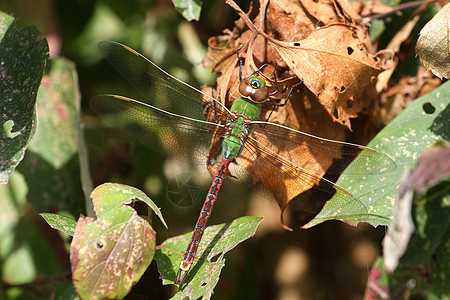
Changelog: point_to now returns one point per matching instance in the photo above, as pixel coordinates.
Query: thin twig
(250, 25)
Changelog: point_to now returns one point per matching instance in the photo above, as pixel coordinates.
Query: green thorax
(238, 127)
(247, 108)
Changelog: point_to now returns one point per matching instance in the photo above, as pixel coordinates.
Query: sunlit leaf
(204, 275)
(433, 45)
(425, 121)
(60, 222)
(110, 254)
(190, 9)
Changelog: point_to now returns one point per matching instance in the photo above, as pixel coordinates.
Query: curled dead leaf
(335, 66)
(433, 45)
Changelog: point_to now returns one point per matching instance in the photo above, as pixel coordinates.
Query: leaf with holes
(110, 254)
(336, 67)
(423, 122)
(205, 272)
(22, 63)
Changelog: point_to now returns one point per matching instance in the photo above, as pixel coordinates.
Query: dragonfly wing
(159, 88)
(331, 156)
(177, 136)
(278, 179)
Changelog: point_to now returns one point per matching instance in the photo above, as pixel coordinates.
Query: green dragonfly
(181, 121)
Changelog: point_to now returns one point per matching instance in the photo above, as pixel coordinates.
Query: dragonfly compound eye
(256, 83)
(254, 89)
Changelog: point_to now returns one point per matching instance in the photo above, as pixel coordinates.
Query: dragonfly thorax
(239, 126)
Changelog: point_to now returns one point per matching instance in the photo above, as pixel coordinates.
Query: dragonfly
(181, 121)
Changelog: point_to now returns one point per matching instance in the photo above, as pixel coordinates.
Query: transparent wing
(284, 164)
(279, 179)
(159, 88)
(174, 135)
(299, 147)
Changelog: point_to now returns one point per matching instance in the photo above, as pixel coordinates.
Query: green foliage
(22, 63)
(45, 176)
(190, 9)
(60, 222)
(110, 254)
(24, 252)
(417, 244)
(404, 139)
(121, 232)
(53, 153)
(206, 270)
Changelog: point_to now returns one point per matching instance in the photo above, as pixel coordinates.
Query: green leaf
(439, 266)
(189, 9)
(22, 63)
(104, 24)
(423, 122)
(113, 193)
(110, 254)
(5, 21)
(204, 275)
(60, 222)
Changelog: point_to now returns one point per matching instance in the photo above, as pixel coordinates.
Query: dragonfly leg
(257, 71)
(276, 104)
(275, 79)
(288, 96)
(240, 65)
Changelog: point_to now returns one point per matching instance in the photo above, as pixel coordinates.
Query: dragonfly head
(254, 89)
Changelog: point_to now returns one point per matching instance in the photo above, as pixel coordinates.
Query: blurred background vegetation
(329, 261)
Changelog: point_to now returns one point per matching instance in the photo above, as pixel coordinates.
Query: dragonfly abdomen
(188, 257)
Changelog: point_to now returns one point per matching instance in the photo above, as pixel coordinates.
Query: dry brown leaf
(331, 11)
(336, 67)
(289, 21)
(370, 7)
